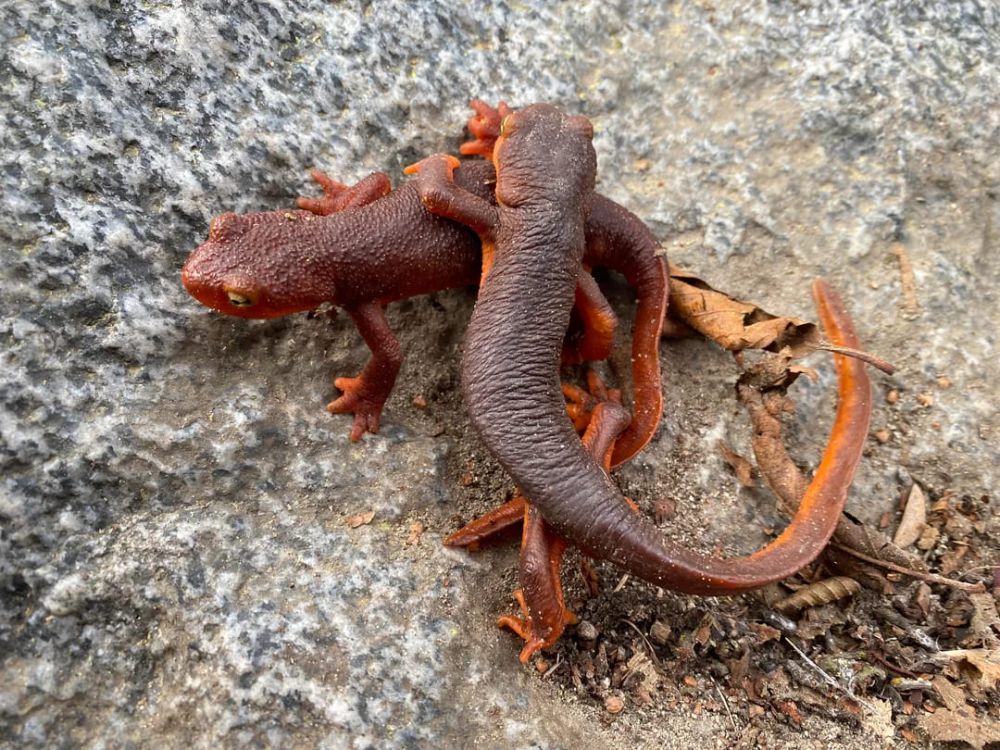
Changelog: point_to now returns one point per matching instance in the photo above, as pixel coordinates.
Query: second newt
(533, 248)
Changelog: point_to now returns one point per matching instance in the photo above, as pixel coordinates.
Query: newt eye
(504, 124)
(240, 300)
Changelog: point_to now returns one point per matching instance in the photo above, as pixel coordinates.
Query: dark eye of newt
(240, 300)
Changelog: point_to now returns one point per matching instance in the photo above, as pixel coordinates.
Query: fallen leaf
(955, 726)
(908, 281)
(928, 538)
(765, 633)
(985, 622)
(981, 665)
(914, 519)
(416, 531)
(641, 665)
(951, 695)
(789, 709)
(359, 519)
(740, 466)
(733, 324)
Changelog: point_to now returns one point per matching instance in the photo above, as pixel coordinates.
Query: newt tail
(610, 531)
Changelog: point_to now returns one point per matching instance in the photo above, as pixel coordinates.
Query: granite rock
(175, 565)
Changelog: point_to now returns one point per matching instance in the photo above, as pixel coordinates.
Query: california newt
(364, 246)
(533, 242)
(544, 612)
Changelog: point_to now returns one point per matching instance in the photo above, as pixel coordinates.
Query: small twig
(554, 667)
(877, 362)
(915, 634)
(908, 281)
(828, 679)
(975, 588)
(649, 646)
(979, 568)
(725, 703)
(890, 666)
(621, 584)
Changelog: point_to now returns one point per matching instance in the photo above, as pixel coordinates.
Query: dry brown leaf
(957, 721)
(733, 324)
(416, 531)
(740, 466)
(676, 329)
(359, 519)
(945, 725)
(981, 666)
(789, 709)
(985, 622)
(952, 695)
(641, 665)
(764, 632)
(914, 519)
(908, 280)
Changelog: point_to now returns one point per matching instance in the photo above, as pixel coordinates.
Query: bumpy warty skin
(286, 261)
(294, 260)
(545, 175)
(510, 379)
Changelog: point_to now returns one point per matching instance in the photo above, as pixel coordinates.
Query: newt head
(260, 265)
(539, 152)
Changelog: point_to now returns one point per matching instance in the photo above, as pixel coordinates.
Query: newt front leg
(339, 197)
(366, 394)
(440, 195)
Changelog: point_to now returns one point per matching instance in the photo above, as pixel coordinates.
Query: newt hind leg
(543, 606)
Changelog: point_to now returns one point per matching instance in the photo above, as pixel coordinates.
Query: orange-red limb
(599, 323)
(543, 606)
(488, 525)
(339, 197)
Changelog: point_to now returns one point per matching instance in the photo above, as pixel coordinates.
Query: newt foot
(339, 197)
(366, 407)
(535, 632)
(484, 126)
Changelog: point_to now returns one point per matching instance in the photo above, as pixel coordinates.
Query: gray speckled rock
(175, 570)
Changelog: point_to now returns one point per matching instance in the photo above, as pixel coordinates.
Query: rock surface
(175, 566)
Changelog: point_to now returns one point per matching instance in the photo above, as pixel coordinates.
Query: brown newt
(364, 246)
(533, 250)
(544, 612)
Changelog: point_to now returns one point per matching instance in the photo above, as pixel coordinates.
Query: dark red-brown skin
(283, 262)
(545, 173)
(291, 261)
